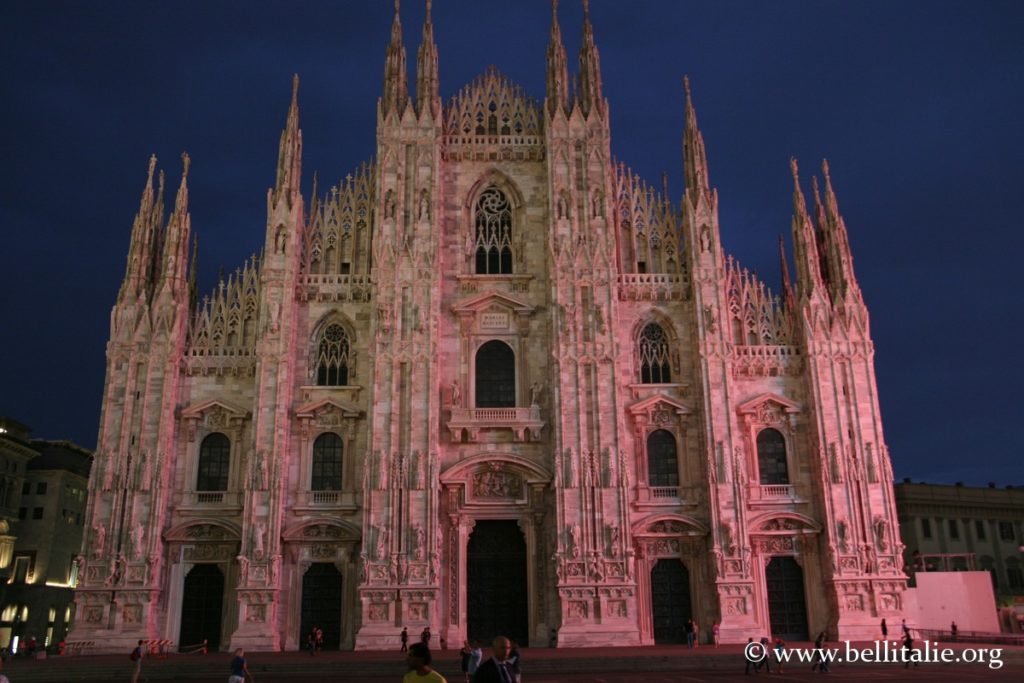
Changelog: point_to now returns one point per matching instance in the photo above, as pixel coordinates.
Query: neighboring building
(46, 518)
(492, 381)
(957, 528)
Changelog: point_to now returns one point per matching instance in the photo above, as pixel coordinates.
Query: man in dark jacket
(496, 669)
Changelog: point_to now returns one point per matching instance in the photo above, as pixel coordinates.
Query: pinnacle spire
(289, 154)
(426, 69)
(396, 90)
(590, 97)
(805, 243)
(787, 285)
(558, 67)
(835, 243)
(176, 238)
(695, 160)
(140, 249)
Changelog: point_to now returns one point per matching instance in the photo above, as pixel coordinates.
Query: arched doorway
(201, 606)
(496, 592)
(321, 604)
(670, 601)
(787, 610)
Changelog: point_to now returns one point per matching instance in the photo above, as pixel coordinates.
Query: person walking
(885, 630)
(714, 632)
(137, 655)
(553, 638)
(475, 657)
(819, 655)
(780, 645)
(318, 638)
(405, 640)
(747, 652)
(953, 630)
(239, 668)
(496, 669)
(696, 634)
(689, 633)
(908, 649)
(418, 660)
(766, 652)
(464, 655)
(425, 637)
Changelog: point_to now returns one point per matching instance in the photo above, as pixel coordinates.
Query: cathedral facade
(492, 382)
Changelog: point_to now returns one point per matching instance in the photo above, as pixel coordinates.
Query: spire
(426, 70)
(787, 285)
(140, 248)
(396, 91)
(805, 247)
(695, 160)
(836, 243)
(558, 67)
(175, 253)
(289, 155)
(590, 97)
(193, 272)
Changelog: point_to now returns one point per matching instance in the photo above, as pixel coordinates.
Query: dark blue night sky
(917, 105)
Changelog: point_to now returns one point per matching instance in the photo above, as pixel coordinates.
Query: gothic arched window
(495, 376)
(332, 357)
(214, 461)
(326, 463)
(662, 460)
(493, 221)
(771, 457)
(654, 356)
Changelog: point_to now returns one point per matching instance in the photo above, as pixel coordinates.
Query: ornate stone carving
(494, 483)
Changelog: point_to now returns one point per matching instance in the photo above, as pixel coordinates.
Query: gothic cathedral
(491, 383)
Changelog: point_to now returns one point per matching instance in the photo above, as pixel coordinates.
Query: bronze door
(787, 611)
(201, 607)
(496, 591)
(321, 604)
(670, 601)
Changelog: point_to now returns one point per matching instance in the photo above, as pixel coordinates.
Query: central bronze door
(670, 601)
(787, 609)
(321, 604)
(201, 607)
(496, 594)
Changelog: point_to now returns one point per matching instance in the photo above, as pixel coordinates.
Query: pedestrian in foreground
(496, 669)
(239, 669)
(419, 671)
(137, 658)
(820, 662)
(405, 640)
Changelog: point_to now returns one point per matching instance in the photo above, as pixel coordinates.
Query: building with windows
(43, 523)
(492, 381)
(961, 528)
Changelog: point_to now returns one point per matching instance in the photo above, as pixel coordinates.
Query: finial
(686, 87)
(397, 8)
(824, 170)
(152, 167)
(794, 169)
(429, 3)
(295, 87)
(586, 11)
(186, 162)
(814, 185)
(554, 10)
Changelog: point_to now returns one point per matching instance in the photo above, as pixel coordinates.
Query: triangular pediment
(197, 410)
(755, 404)
(481, 302)
(327, 405)
(659, 401)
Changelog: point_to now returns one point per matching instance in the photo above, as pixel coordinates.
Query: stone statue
(535, 391)
(421, 471)
(616, 541)
(841, 535)
(456, 394)
(259, 471)
(421, 542)
(101, 536)
(424, 206)
(259, 539)
(382, 471)
(138, 540)
(574, 533)
(243, 569)
(382, 542)
(881, 526)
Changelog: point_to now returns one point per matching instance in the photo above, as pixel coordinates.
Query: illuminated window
(332, 357)
(493, 221)
(214, 461)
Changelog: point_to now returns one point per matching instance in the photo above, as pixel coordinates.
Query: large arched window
(662, 460)
(326, 463)
(495, 376)
(214, 461)
(493, 221)
(771, 457)
(332, 357)
(654, 356)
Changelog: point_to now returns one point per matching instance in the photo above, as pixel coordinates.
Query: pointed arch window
(214, 463)
(327, 452)
(771, 457)
(495, 376)
(662, 459)
(493, 222)
(654, 355)
(332, 357)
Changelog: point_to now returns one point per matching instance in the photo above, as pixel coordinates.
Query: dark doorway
(496, 594)
(670, 601)
(321, 603)
(787, 611)
(495, 376)
(201, 607)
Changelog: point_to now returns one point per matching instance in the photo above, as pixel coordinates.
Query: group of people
(502, 667)
(762, 657)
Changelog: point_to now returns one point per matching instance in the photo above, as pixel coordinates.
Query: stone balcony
(206, 501)
(337, 501)
(652, 287)
(525, 423)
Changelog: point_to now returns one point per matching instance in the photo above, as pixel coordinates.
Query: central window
(771, 457)
(654, 357)
(332, 357)
(662, 461)
(493, 222)
(326, 463)
(495, 376)
(214, 463)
